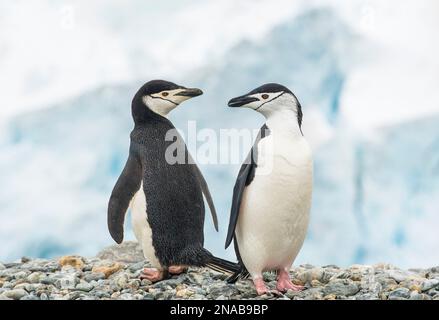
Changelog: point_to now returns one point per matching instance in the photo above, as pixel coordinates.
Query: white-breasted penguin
(166, 199)
(272, 194)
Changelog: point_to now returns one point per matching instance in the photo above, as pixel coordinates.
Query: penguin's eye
(165, 94)
(265, 96)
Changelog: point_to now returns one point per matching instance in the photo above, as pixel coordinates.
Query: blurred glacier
(375, 191)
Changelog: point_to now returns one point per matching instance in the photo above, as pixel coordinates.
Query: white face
(271, 102)
(165, 101)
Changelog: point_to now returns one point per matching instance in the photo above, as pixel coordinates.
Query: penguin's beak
(241, 101)
(190, 92)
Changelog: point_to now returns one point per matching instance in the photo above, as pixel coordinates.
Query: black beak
(240, 101)
(190, 92)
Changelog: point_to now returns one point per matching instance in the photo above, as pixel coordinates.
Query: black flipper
(206, 192)
(245, 177)
(126, 187)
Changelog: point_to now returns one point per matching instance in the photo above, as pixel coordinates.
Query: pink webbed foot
(260, 286)
(284, 282)
(177, 269)
(152, 274)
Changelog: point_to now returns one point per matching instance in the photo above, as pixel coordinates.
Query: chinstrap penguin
(166, 199)
(272, 194)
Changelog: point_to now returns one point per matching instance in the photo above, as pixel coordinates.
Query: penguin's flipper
(126, 187)
(205, 189)
(245, 177)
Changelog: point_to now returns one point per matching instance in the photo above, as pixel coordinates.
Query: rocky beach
(114, 274)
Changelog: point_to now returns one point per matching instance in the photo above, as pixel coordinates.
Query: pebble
(94, 276)
(84, 286)
(16, 294)
(341, 287)
(72, 261)
(115, 275)
(430, 284)
(400, 293)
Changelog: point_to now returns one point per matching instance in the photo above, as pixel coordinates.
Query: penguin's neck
(284, 122)
(142, 113)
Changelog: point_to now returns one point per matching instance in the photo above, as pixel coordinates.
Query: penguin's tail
(221, 265)
(242, 273)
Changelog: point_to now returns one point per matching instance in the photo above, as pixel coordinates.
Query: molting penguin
(272, 194)
(166, 199)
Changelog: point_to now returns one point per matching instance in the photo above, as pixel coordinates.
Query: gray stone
(126, 296)
(84, 286)
(44, 296)
(145, 282)
(414, 295)
(21, 285)
(173, 282)
(2, 267)
(35, 277)
(399, 293)
(4, 297)
(21, 275)
(148, 296)
(30, 297)
(222, 289)
(67, 281)
(16, 294)
(397, 275)
(136, 266)
(94, 276)
(341, 287)
(48, 280)
(429, 284)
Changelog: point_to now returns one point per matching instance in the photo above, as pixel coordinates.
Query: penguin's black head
(161, 96)
(268, 99)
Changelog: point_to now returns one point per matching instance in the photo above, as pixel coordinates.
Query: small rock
(148, 296)
(145, 282)
(184, 293)
(341, 287)
(16, 294)
(67, 281)
(84, 286)
(107, 269)
(399, 293)
(3, 297)
(21, 286)
(94, 276)
(310, 275)
(121, 281)
(44, 296)
(429, 284)
(2, 267)
(136, 266)
(21, 275)
(397, 275)
(35, 277)
(72, 261)
(419, 296)
(30, 297)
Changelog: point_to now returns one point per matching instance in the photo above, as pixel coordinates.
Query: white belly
(274, 212)
(141, 227)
